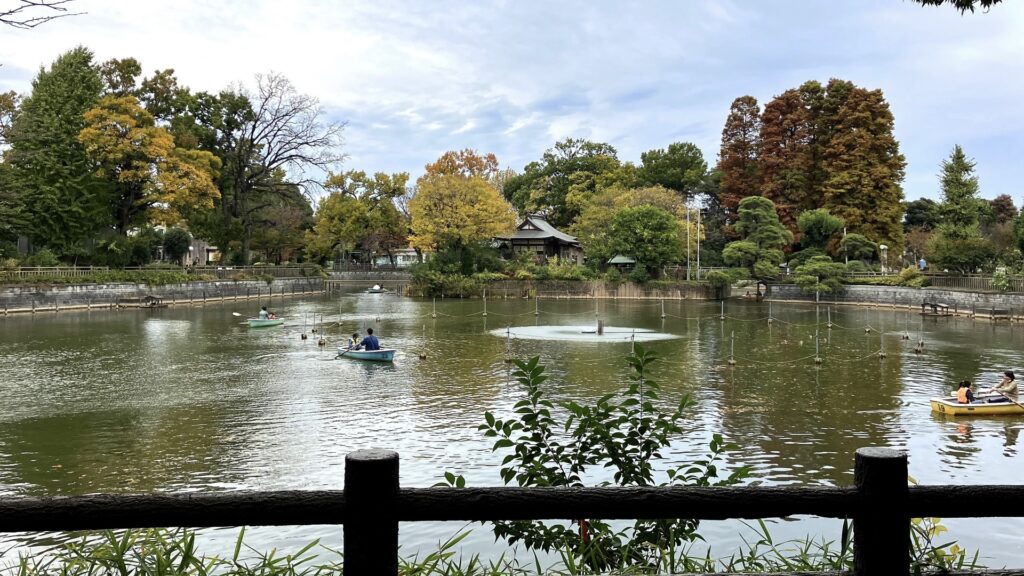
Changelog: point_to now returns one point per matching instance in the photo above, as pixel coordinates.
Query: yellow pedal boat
(951, 406)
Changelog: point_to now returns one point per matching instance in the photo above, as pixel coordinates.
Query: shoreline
(27, 299)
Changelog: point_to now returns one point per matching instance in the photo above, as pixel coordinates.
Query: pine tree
(737, 159)
(57, 193)
(960, 209)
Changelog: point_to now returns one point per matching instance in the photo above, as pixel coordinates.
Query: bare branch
(28, 14)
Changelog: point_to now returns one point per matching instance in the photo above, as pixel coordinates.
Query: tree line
(98, 160)
(102, 164)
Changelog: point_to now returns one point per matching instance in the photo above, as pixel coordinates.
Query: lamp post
(698, 244)
(687, 241)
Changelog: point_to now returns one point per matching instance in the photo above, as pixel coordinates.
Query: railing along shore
(372, 504)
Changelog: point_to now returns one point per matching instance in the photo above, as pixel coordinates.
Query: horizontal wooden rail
(109, 511)
(482, 504)
(372, 506)
(288, 508)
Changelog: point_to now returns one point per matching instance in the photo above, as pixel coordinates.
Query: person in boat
(353, 342)
(964, 394)
(370, 342)
(1007, 389)
(264, 315)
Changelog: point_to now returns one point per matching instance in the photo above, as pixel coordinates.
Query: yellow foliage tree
(451, 210)
(153, 180)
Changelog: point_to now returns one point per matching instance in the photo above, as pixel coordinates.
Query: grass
(161, 552)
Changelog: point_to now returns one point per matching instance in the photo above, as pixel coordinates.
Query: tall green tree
(59, 200)
(958, 245)
(384, 227)
(865, 168)
(151, 181)
(561, 181)
(737, 159)
(648, 234)
(960, 209)
(680, 167)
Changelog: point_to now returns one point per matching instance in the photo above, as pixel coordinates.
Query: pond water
(189, 399)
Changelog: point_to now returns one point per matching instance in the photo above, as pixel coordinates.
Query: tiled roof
(543, 229)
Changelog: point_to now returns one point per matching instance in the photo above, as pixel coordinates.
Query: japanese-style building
(535, 235)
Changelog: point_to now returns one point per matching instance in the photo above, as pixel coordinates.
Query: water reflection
(185, 399)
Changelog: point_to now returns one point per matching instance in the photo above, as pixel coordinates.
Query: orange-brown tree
(737, 159)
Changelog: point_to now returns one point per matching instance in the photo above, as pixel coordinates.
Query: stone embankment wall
(964, 303)
(36, 298)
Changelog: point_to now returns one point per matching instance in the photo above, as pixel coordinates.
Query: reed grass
(163, 552)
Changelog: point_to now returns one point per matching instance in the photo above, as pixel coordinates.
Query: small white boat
(382, 355)
(376, 289)
(263, 323)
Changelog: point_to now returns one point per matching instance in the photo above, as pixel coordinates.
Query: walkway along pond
(186, 400)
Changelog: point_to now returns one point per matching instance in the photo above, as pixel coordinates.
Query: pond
(190, 399)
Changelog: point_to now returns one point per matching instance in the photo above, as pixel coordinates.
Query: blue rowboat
(258, 323)
(382, 355)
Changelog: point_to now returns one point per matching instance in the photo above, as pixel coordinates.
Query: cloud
(416, 79)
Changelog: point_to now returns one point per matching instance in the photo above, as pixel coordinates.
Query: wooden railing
(275, 271)
(63, 271)
(218, 271)
(976, 283)
(371, 506)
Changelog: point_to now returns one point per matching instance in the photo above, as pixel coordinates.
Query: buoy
(303, 336)
(732, 362)
(321, 342)
(423, 356)
(866, 330)
(829, 325)
(817, 360)
(881, 354)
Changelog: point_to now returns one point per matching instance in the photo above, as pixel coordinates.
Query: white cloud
(414, 79)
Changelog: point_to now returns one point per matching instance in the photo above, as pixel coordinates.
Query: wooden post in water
(881, 533)
(600, 327)
(371, 520)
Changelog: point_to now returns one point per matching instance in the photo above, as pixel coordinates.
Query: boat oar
(347, 350)
(1004, 395)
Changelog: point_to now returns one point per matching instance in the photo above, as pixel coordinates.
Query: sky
(415, 79)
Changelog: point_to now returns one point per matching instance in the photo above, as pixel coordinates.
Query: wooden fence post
(881, 528)
(371, 519)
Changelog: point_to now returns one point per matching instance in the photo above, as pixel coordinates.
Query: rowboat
(382, 355)
(951, 406)
(260, 323)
